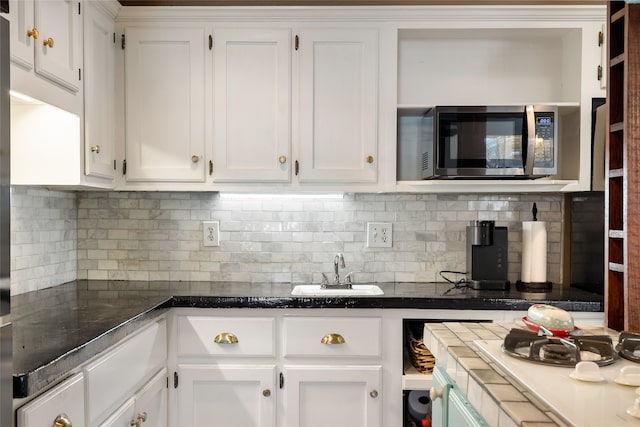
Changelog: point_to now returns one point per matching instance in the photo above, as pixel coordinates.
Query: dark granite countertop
(57, 329)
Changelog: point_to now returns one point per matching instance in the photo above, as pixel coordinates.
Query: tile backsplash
(43, 238)
(158, 235)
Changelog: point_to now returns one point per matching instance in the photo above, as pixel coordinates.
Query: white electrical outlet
(211, 233)
(379, 235)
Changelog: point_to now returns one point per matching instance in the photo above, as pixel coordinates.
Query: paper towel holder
(533, 286)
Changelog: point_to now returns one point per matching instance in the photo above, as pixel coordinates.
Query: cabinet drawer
(303, 337)
(66, 398)
(116, 376)
(251, 336)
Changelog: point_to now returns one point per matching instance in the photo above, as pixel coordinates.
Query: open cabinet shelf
(622, 288)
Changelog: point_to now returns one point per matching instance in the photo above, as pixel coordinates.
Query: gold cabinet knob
(225, 338)
(195, 159)
(332, 339)
(266, 392)
(33, 33)
(282, 159)
(95, 149)
(369, 159)
(62, 420)
(48, 42)
(374, 393)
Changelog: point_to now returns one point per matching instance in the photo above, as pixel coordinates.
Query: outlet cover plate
(211, 233)
(379, 235)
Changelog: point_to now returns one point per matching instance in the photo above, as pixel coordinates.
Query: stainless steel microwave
(490, 142)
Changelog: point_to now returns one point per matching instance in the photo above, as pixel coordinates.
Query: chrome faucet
(338, 261)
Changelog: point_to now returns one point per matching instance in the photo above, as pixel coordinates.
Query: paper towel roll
(534, 251)
(419, 404)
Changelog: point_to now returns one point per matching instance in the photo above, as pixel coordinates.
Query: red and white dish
(556, 332)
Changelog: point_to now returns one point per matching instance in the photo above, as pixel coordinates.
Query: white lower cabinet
(227, 395)
(121, 373)
(284, 369)
(148, 408)
(333, 395)
(64, 402)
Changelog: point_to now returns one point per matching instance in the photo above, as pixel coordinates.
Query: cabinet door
(65, 400)
(21, 31)
(337, 396)
(338, 105)
(165, 104)
(151, 402)
(57, 50)
(99, 92)
(123, 416)
(56, 22)
(251, 113)
(226, 396)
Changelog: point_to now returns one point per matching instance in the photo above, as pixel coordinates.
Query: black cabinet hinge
(123, 41)
(297, 167)
(599, 72)
(175, 380)
(80, 74)
(210, 167)
(124, 167)
(281, 380)
(600, 38)
(210, 42)
(296, 43)
(114, 38)
(114, 164)
(79, 8)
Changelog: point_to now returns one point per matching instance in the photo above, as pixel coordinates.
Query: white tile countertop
(501, 398)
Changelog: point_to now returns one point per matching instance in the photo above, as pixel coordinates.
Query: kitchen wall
(158, 235)
(43, 238)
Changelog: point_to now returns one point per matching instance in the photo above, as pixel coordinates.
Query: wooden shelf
(617, 234)
(622, 216)
(616, 173)
(617, 60)
(617, 127)
(617, 16)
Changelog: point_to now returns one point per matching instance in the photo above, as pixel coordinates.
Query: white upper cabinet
(99, 92)
(165, 104)
(46, 36)
(251, 105)
(338, 105)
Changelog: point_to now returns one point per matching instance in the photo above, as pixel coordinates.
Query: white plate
(586, 377)
(630, 380)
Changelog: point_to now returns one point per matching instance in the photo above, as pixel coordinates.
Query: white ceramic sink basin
(317, 290)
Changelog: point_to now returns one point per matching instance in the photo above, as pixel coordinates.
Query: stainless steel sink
(318, 290)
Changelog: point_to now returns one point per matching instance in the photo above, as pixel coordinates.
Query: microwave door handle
(531, 140)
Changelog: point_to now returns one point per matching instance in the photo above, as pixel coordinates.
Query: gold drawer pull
(48, 42)
(225, 338)
(332, 339)
(62, 421)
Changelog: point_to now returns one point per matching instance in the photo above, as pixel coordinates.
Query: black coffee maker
(487, 256)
